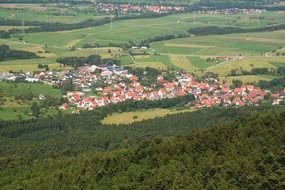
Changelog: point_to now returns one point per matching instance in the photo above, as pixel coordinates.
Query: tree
(35, 109)
(237, 83)
(67, 85)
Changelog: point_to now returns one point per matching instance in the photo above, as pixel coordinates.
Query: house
(64, 106)
(238, 102)
(107, 90)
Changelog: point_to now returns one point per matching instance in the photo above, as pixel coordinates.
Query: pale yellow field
(182, 62)
(128, 117)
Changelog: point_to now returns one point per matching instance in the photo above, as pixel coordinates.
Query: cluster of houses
(118, 85)
(126, 8)
(97, 86)
(230, 11)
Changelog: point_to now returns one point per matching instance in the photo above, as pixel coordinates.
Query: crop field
(156, 65)
(28, 65)
(182, 62)
(246, 64)
(223, 45)
(163, 61)
(199, 62)
(189, 54)
(49, 56)
(129, 30)
(136, 116)
(44, 15)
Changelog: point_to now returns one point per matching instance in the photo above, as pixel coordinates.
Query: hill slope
(246, 154)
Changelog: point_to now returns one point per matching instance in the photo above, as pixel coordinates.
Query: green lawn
(11, 89)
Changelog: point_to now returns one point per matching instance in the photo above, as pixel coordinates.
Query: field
(49, 56)
(246, 64)
(249, 50)
(128, 30)
(136, 116)
(251, 44)
(247, 78)
(11, 89)
(13, 109)
(34, 12)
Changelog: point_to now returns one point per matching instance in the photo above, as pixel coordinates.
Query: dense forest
(213, 149)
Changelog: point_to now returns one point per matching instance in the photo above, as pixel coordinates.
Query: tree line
(216, 30)
(279, 72)
(91, 60)
(7, 54)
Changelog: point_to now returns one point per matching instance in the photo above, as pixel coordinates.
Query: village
(127, 8)
(230, 11)
(95, 86)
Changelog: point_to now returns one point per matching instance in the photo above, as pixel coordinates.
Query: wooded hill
(238, 149)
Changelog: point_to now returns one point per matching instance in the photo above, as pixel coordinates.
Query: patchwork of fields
(250, 44)
(190, 54)
(139, 29)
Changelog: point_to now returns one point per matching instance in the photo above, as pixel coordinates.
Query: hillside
(245, 154)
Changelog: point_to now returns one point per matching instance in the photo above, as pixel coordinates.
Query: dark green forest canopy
(246, 154)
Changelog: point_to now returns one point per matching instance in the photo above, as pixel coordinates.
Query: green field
(224, 45)
(144, 61)
(45, 14)
(189, 54)
(199, 62)
(11, 89)
(128, 30)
